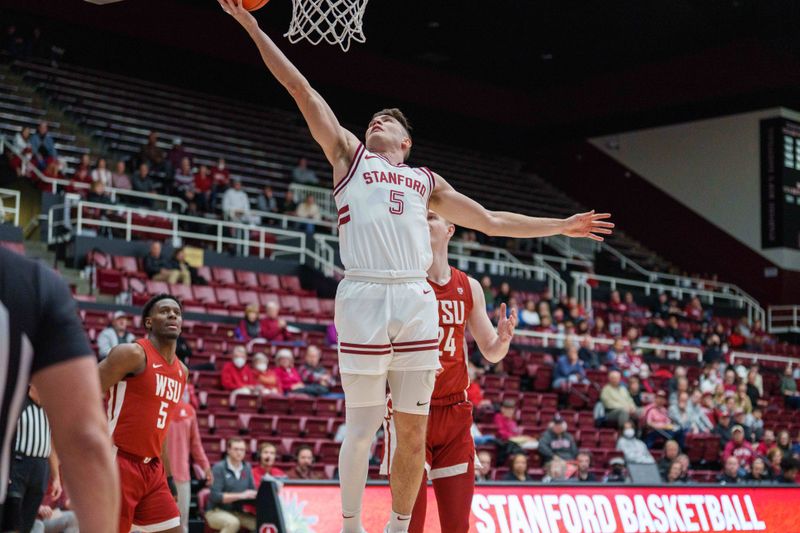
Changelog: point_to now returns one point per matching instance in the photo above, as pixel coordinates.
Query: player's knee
(411, 440)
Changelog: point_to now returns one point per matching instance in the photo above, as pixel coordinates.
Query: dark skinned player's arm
(123, 360)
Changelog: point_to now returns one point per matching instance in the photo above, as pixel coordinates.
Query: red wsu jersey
(455, 305)
(140, 407)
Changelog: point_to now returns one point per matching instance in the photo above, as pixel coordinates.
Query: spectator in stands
(485, 468)
(310, 210)
(273, 328)
(303, 175)
(774, 457)
(267, 453)
(569, 369)
(694, 311)
(759, 473)
(557, 441)
(740, 419)
(178, 153)
(507, 428)
(555, 471)
(318, 379)
(658, 423)
(43, 146)
(250, 327)
(518, 468)
(288, 206)
(755, 385)
(583, 474)
(681, 386)
(101, 172)
(723, 427)
(671, 452)
(730, 472)
(288, 376)
(635, 450)
(617, 473)
(698, 420)
(142, 182)
(203, 183)
(266, 201)
(116, 333)
(237, 377)
(160, 269)
(791, 396)
(233, 486)
(710, 377)
(729, 382)
(53, 515)
(674, 473)
(221, 178)
(266, 378)
(680, 414)
(81, 178)
(474, 392)
(188, 273)
(97, 194)
(616, 304)
(304, 463)
(616, 399)
(235, 203)
(618, 356)
(635, 390)
(789, 470)
(503, 295)
(183, 442)
(152, 155)
(529, 318)
(22, 143)
(586, 352)
(739, 448)
(767, 442)
(183, 180)
(784, 442)
(120, 178)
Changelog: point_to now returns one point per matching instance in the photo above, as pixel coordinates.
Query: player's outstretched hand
(506, 324)
(591, 225)
(235, 9)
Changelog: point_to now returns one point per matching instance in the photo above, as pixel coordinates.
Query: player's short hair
(148, 306)
(397, 115)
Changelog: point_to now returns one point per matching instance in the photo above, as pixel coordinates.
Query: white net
(333, 21)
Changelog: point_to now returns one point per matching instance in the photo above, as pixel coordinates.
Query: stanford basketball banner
(572, 509)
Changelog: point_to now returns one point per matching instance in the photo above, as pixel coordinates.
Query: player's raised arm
(492, 343)
(122, 360)
(338, 144)
(464, 211)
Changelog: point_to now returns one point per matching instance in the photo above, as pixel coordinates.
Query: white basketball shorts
(382, 326)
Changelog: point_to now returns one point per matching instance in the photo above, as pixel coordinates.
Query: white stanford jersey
(383, 213)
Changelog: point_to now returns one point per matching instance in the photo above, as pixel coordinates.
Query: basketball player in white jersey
(386, 313)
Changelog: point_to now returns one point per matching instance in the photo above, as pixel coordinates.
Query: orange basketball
(252, 5)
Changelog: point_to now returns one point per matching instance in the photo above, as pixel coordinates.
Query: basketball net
(332, 21)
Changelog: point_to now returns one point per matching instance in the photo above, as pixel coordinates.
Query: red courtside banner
(568, 508)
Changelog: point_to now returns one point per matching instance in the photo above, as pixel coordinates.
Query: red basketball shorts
(147, 504)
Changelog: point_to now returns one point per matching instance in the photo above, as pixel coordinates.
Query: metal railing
(583, 291)
(285, 221)
(91, 216)
(558, 340)
(783, 319)
(756, 357)
(13, 209)
(322, 195)
(57, 184)
(325, 247)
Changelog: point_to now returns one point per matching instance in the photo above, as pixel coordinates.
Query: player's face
(440, 229)
(166, 319)
(386, 133)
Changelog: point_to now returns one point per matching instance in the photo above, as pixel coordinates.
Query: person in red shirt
(202, 187)
(739, 448)
(450, 448)
(766, 444)
(145, 381)
(221, 179)
(273, 328)
(658, 422)
(266, 464)
(266, 378)
(237, 377)
(288, 376)
(183, 441)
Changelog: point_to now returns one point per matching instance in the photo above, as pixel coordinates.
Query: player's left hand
(590, 225)
(506, 324)
(56, 489)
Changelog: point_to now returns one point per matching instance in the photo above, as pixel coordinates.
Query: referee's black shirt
(39, 327)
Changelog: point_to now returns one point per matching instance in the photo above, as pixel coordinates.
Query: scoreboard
(780, 183)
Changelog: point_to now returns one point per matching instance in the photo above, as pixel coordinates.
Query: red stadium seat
(266, 297)
(182, 292)
(157, 287)
(206, 380)
(288, 426)
(223, 276)
(247, 403)
(261, 425)
(275, 405)
(317, 427)
(302, 406)
(246, 278)
(109, 281)
(203, 293)
(226, 424)
(329, 451)
(227, 296)
(247, 297)
(270, 282)
(129, 265)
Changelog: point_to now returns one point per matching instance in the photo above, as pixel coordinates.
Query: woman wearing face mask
(634, 449)
(267, 378)
(237, 377)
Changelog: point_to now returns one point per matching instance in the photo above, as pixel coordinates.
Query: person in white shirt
(309, 209)
(116, 333)
(101, 173)
(235, 203)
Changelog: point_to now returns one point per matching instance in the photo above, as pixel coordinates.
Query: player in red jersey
(450, 450)
(145, 381)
